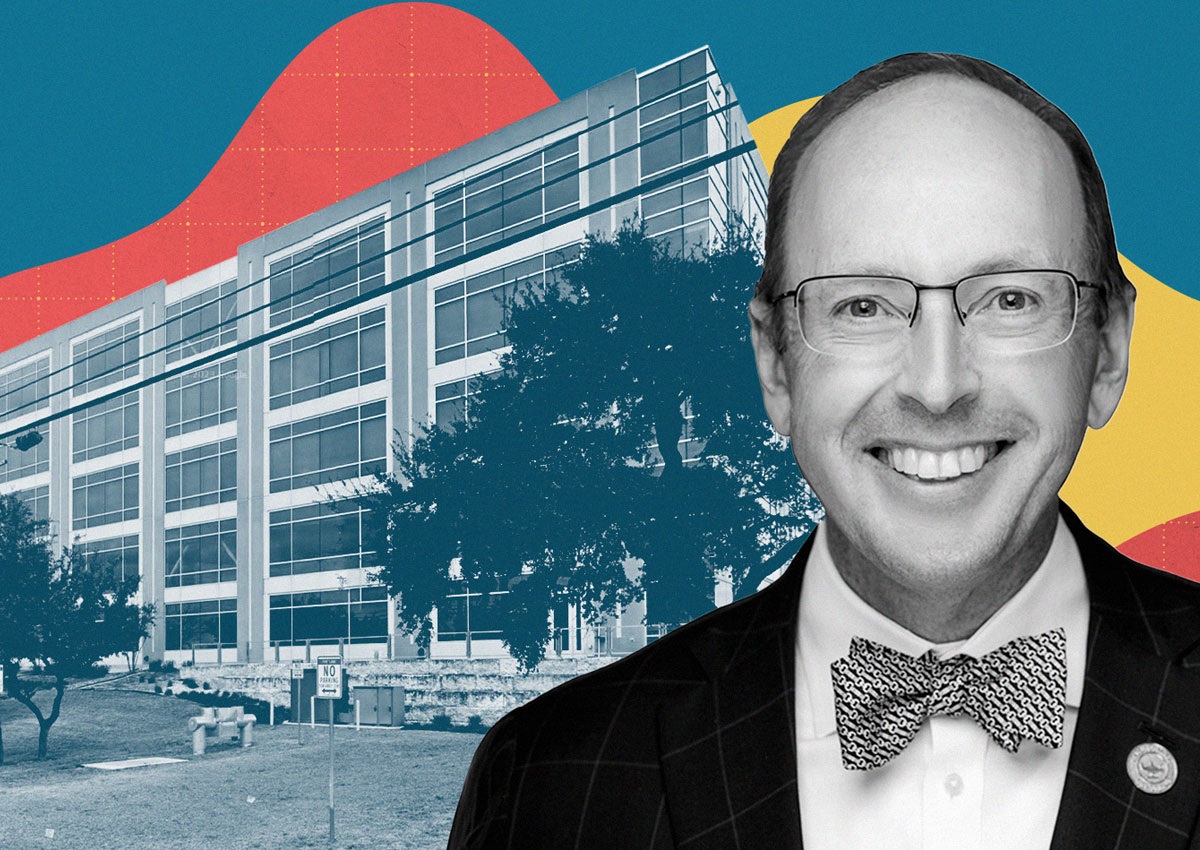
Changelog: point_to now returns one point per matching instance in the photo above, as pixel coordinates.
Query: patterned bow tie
(881, 696)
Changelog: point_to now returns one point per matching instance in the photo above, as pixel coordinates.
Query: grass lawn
(393, 787)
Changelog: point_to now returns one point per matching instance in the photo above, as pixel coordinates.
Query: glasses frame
(794, 294)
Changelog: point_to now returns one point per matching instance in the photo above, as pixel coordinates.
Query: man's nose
(936, 370)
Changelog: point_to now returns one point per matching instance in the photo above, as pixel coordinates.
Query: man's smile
(938, 465)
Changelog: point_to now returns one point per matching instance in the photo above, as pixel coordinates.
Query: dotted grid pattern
(375, 95)
(1173, 546)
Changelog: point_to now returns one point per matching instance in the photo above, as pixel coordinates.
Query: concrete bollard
(198, 739)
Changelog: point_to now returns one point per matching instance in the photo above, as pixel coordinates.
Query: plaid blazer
(690, 742)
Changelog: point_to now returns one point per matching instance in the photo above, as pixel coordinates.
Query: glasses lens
(855, 316)
(1018, 311)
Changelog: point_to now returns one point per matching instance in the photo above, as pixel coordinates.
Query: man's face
(935, 179)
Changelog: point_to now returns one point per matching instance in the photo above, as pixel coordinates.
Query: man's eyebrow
(1011, 261)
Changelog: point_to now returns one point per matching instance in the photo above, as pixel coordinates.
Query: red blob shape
(1173, 546)
(374, 95)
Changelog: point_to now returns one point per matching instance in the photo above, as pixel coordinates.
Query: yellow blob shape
(1141, 470)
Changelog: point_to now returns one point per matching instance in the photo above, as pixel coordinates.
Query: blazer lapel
(728, 752)
(1141, 686)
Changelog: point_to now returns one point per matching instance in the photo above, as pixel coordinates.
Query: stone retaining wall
(458, 689)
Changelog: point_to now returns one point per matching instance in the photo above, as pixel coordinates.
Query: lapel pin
(1152, 768)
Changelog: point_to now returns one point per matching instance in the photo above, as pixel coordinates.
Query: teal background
(110, 114)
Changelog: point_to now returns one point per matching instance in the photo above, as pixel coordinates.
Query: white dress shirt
(953, 787)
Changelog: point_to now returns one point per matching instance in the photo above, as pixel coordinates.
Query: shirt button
(953, 785)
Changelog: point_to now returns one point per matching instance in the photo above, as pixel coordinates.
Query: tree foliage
(58, 615)
(555, 479)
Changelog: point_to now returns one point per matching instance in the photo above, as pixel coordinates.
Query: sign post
(298, 674)
(329, 687)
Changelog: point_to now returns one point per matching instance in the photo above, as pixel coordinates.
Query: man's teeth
(938, 465)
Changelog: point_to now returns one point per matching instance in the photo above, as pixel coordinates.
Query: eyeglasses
(867, 317)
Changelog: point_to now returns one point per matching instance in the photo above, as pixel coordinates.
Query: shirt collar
(831, 614)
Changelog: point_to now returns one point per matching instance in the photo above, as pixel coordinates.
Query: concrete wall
(453, 688)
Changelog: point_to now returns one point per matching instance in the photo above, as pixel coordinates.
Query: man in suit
(952, 660)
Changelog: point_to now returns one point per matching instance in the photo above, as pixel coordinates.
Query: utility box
(380, 705)
(303, 690)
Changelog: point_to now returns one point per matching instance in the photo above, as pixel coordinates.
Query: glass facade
(315, 538)
(25, 389)
(450, 401)
(202, 398)
(110, 495)
(507, 201)
(346, 444)
(37, 499)
(15, 463)
(355, 615)
(202, 554)
(469, 315)
(330, 359)
(203, 475)
(119, 554)
(202, 321)
(202, 625)
(105, 358)
(688, 79)
(104, 428)
(483, 612)
(327, 272)
(675, 130)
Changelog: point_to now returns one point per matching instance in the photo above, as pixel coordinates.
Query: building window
(202, 398)
(15, 463)
(451, 399)
(203, 475)
(330, 359)
(202, 554)
(104, 428)
(688, 105)
(105, 358)
(482, 611)
(507, 201)
(329, 272)
(203, 321)
(110, 495)
(346, 444)
(315, 538)
(354, 615)
(118, 554)
(679, 215)
(202, 625)
(37, 499)
(469, 315)
(25, 389)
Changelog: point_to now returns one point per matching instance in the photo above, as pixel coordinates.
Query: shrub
(158, 689)
(190, 682)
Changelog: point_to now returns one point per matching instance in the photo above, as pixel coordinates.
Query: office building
(216, 483)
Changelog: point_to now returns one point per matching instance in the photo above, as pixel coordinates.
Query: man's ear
(772, 373)
(1112, 359)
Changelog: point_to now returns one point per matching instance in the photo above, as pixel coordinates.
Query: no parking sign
(329, 678)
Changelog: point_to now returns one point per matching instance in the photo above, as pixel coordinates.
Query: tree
(57, 614)
(570, 460)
